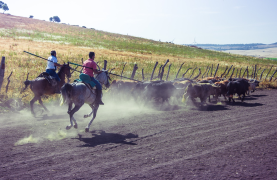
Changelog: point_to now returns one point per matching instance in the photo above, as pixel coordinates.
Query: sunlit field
(73, 44)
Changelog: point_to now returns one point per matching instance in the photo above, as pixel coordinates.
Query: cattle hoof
(76, 126)
(87, 129)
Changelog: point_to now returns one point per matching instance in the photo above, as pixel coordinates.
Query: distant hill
(224, 47)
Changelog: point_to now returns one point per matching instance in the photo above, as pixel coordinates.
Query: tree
(31, 16)
(1, 4)
(5, 7)
(56, 19)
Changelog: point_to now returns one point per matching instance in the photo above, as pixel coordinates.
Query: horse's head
(66, 69)
(104, 78)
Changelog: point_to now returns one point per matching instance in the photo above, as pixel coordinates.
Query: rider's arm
(56, 64)
(96, 71)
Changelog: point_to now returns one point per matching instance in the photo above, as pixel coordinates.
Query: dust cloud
(50, 126)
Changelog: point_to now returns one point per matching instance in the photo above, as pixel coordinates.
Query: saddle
(84, 78)
(50, 79)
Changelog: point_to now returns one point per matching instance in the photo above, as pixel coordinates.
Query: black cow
(161, 90)
(240, 86)
(139, 88)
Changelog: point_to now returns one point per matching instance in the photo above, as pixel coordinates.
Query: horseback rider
(91, 69)
(52, 64)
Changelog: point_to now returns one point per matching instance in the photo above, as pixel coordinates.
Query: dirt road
(219, 141)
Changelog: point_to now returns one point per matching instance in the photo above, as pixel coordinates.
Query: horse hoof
(87, 129)
(85, 116)
(68, 127)
(75, 126)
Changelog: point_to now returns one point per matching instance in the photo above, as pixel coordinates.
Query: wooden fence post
(105, 64)
(208, 72)
(268, 73)
(237, 73)
(192, 72)
(244, 72)
(162, 72)
(198, 74)
(168, 72)
(179, 70)
(2, 71)
(153, 71)
(134, 71)
(205, 71)
(212, 70)
(123, 69)
(186, 72)
(224, 72)
(142, 74)
(216, 70)
(273, 74)
(7, 87)
(240, 72)
(159, 72)
(82, 67)
(232, 72)
(262, 74)
(255, 71)
(228, 71)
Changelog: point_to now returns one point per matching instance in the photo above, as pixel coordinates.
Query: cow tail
(183, 99)
(66, 92)
(186, 93)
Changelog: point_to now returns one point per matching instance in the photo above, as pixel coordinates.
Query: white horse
(79, 93)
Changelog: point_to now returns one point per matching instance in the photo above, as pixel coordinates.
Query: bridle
(107, 83)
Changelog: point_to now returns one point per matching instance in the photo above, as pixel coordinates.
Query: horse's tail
(27, 83)
(65, 93)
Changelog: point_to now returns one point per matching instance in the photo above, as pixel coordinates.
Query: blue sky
(177, 21)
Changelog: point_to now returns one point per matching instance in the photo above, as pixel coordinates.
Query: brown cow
(223, 87)
(201, 90)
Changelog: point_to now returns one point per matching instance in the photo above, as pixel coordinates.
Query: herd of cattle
(184, 88)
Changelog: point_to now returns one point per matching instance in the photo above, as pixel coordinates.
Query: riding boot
(98, 97)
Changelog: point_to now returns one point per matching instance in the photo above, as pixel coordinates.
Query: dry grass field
(73, 44)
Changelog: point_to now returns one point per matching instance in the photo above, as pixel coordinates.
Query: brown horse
(40, 86)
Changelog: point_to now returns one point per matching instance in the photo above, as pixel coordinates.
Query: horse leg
(32, 104)
(75, 109)
(88, 115)
(41, 103)
(94, 110)
(69, 107)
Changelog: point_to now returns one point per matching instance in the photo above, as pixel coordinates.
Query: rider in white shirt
(52, 64)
